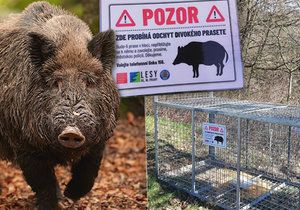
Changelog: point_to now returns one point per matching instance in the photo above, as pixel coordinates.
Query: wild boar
(207, 53)
(58, 101)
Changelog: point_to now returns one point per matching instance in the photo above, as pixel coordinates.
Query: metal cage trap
(254, 164)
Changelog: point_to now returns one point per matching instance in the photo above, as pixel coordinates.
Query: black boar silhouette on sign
(207, 53)
(219, 139)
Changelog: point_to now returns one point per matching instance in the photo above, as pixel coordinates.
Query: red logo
(122, 78)
(215, 15)
(125, 20)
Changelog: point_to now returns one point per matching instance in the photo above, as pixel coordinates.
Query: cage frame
(212, 112)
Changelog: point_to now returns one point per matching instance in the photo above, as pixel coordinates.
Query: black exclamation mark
(125, 17)
(215, 14)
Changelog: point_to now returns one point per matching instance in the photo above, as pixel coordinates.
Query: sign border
(147, 91)
(170, 85)
(214, 124)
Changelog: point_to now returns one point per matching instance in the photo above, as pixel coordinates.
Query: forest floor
(121, 183)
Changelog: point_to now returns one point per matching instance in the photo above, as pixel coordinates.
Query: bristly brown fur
(51, 67)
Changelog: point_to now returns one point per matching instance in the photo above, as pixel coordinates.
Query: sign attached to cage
(297, 130)
(168, 46)
(214, 135)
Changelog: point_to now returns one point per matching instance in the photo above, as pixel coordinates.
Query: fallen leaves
(121, 183)
(131, 118)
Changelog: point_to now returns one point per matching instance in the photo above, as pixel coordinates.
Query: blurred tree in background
(87, 10)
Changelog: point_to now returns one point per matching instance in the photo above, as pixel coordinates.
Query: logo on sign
(215, 15)
(149, 76)
(125, 20)
(165, 74)
(122, 78)
(135, 77)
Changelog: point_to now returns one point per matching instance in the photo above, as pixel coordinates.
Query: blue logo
(135, 76)
(165, 74)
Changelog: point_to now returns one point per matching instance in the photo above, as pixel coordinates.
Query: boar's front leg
(84, 173)
(39, 174)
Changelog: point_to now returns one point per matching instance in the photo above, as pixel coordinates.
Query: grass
(160, 196)
(172, 131)
(165, 122)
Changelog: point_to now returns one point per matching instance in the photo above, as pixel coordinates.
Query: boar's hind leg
(218, 68)
(84, 173)
(39, 174)
(196, 70)
(221, 69)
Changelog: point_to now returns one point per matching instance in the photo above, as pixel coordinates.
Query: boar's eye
(55, 84)
(90, 82)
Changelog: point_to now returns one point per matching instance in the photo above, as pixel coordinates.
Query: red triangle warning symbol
(215, 15)
(125, 20)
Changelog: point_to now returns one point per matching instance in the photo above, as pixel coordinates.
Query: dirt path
(121, 184)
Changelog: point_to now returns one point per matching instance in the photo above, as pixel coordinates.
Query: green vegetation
(74, 6)
(167, 122)
(162, 197)
(158, 197)
(172, 135)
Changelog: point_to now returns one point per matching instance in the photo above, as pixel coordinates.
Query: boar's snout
(176, 61)
(71, 137)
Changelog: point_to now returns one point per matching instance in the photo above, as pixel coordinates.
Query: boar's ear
(102, 46)
(40, 48)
